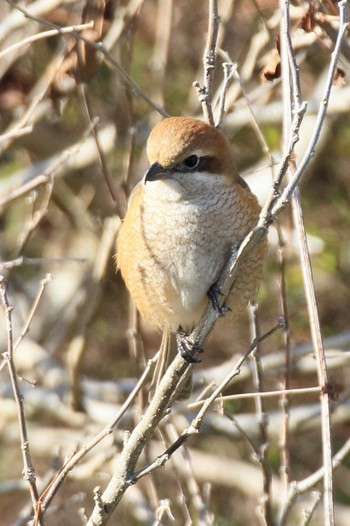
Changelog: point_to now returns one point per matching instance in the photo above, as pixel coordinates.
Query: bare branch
(28, 471)
(23, 260)
(209, 63)
(45, 34)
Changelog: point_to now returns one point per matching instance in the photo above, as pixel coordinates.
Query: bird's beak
(156, 172)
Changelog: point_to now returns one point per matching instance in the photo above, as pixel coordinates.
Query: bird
(183, 220)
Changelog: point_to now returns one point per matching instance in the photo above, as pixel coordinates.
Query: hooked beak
(156, 172)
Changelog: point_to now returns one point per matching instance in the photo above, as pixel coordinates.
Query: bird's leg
(186, 347)
(213, 294)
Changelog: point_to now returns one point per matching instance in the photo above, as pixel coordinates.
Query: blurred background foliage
(81, 330)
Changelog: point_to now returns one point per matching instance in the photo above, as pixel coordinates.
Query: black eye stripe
(206, 163)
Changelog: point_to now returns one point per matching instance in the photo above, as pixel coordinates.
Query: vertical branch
(209, 61)
(265, 507)
(320, 358)
(209, 57)
(28, 471)
(291, 103)
(291, 92)
(284, 401)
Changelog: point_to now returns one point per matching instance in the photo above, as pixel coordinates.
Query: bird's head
(179, 147)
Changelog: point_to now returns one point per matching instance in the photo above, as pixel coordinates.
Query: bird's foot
(213, 294)
(187, 348)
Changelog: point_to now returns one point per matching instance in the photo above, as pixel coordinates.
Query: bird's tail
(167, 352)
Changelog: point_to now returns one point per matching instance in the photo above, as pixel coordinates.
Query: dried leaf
(308, 21)
(339, 77)
(272, 70)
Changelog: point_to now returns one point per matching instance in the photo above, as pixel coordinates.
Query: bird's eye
(192, 161)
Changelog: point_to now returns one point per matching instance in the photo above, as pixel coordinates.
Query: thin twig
(254, 121)
(227, 68)
(28, 471)
(46, 34)
(43, 284)
(325, 398)
(307, 514)
(100, 153)
(194, 489)
(265, 501)
(285, 391)
(235, 372)
(37, 216)
(291, 86)
(23, 261)
(264, 394)
(14, 134)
